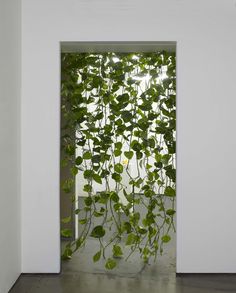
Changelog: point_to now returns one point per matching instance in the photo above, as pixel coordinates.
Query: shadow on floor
(81, 275)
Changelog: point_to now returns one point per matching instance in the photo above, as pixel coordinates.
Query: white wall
(10, 251)
(206, 46)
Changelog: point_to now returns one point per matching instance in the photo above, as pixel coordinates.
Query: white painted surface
(206, 46)
(10, 243)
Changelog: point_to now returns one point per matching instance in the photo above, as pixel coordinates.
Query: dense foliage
(120, 115)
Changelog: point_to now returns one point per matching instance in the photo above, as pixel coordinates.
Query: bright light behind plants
(119, 135)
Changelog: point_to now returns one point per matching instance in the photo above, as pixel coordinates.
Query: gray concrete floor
(81, 275)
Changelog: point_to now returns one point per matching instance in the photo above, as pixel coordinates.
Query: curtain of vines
(121, 108)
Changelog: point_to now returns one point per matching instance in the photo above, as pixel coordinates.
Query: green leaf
(64, 163)
(117, 251)
(103, 198)
(136, 146)
(165, 238)
(129, 155)
(116, 177)
(141, 230)
(98, 232)
(170, 212)
(70, 150)
(88, 201)
(118, 168)
(169, 191)
(88, 174)
(114, 196)
(118, 122)
(139, 155)
(149, 193)
(118, 145)
(83, 221)
(127, 227)
(99, 116)
(104, 173)
(131, 239)
(97, 178)
(151, 143)
(66, 233)
(96, 159)
(68, 185)
(97, 214)
(138, 182)
(79, 243)
(123, 98)
(67, 254)
(117, 152)
(158, 157)
(78, 160)
(117, 206)
(87, 155)
(97, 256)
(165, 159)
(110, 264)
(170, 172)
(87, 188)
(66, 220)
(127, 116)
(74, 170)
(77, 211)
(134, 218)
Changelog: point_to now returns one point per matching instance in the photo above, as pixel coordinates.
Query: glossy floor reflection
(80, 275)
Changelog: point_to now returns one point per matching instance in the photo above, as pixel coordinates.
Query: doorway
(118, 156)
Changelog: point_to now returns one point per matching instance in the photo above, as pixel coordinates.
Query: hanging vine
(119, 135)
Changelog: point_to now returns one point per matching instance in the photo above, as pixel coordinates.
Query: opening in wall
(118, 154)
